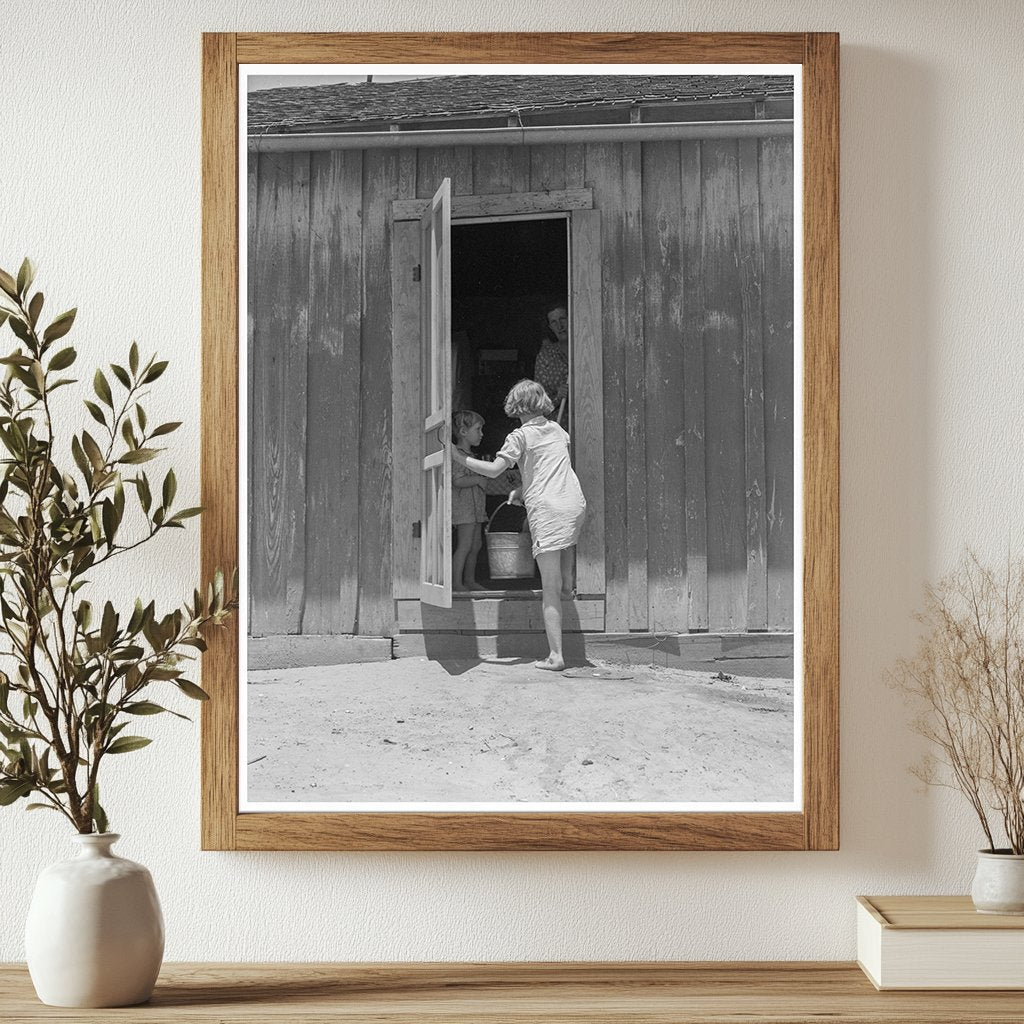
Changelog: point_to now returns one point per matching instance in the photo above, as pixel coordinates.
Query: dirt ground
(499, 730)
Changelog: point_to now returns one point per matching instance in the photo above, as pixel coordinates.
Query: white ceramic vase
(999, 883)
(95, 933)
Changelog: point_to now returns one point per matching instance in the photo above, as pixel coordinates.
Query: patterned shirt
(551, 370)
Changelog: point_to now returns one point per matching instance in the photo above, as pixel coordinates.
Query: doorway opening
(506, 275)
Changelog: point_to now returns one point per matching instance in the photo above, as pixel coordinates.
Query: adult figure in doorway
(551, 368)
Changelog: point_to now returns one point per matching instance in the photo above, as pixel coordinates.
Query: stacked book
(933, 942)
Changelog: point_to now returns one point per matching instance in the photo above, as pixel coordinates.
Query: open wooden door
(588, 388)
(436, 398)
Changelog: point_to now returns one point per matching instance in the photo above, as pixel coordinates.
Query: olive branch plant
(80, 674)
(967, 680)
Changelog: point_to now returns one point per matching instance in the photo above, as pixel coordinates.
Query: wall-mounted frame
(728, 598)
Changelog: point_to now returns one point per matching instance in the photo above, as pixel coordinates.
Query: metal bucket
(510, 555)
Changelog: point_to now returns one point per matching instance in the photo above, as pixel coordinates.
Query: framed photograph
(520, 420)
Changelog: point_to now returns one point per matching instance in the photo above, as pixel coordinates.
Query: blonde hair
(463, 420)
(528, 398)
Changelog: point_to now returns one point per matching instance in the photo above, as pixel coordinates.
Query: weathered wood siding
(698, 348)
(320, 394)
(697, 327)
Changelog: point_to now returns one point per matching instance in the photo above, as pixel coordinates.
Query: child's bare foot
(475, 585)
(550, 664)
(459, 586)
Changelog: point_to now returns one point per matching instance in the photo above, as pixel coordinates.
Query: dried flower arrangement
(968, 673)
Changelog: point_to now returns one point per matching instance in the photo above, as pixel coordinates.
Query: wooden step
(498, 614)
(470, 646)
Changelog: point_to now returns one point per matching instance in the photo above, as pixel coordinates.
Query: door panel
(436, 402)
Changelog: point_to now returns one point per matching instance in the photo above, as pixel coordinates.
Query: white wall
(99, 123)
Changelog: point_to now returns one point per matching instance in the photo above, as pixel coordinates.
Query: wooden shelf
(561, 993)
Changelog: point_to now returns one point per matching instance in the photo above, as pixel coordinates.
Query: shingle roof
(316, 108)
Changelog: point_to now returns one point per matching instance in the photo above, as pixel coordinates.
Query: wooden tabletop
(573, 993)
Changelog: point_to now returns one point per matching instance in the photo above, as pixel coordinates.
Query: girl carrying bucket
(555, 505)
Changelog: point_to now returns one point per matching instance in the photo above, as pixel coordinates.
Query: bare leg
(463, 542)
(567, 565)
(469, 573)
(550, 563)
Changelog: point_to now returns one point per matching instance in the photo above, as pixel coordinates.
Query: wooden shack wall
(697, 244)
(320, 393)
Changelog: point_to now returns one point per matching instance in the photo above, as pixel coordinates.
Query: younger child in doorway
(554, 501)
(468, 501)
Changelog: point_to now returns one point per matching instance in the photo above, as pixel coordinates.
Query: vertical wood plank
(777, 290)
(663, 336)
(753, 384)
(333, 400)
(604, 171)
(588, 411)
(634, 385)
(575, 163)
(376, 615)
(277, 459)
(723, 340)
(694, 426)
(821, 440)
(407, 420)
(492, 170)
(407, 159)
(462, 171)
(433, 165)
(547, 168)
(406, 425)
(521, 168)
(219, 430)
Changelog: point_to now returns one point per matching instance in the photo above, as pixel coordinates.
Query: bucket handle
(487, 528)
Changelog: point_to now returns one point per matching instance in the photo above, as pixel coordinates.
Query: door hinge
(416, 529)
(416, 272)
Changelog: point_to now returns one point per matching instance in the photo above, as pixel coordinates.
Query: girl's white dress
(555, 506)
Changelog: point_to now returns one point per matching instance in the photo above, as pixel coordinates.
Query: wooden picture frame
(816, 825)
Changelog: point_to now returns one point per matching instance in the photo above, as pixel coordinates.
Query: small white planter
(95, 933)
(999, 883)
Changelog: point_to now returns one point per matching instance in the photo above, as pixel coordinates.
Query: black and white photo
(458, 597)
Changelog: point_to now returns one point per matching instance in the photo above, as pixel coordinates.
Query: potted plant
(968, 680)
(80, 670)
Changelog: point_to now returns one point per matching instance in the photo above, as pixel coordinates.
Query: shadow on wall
(889, 301)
